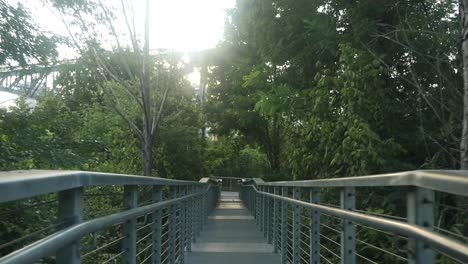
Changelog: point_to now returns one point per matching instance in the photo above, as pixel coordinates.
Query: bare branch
(127, 89)
(131, 33)
(157, 117)
(114, 32)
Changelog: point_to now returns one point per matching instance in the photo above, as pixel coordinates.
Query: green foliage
(336, 88)
(21, 41)
(77, 128)
(231, 157)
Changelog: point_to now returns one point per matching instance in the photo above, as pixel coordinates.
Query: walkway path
(230, 237)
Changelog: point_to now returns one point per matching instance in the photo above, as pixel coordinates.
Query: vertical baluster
(420, 211)
(189, 219)
(314, 228)
(348, 236)
(284, 226)
(264, 213)
(276, 218)
(257, 206)
(172, 225)
(267, 215)
(70, 210)
(194, 214)
(129, 227)
(199, 207)
(297, 227)
(157, 226)
(183, 207)
(270, 216)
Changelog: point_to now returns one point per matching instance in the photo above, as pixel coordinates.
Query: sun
(186, 25)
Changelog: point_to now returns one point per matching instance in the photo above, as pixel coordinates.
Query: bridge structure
(88, 217)
(30, 80)
(36, 79)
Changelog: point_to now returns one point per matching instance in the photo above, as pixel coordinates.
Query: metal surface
(129, 226)
(296, 245)
(231, 237)
(186, 215)
(172, 225)
(314, 234)
(15, 185)
(276, 219)
(348, 235)
(455, 182)
(70, 210)
(183, 207)
(157, 226)
(284, 225)
(448, 246)
(420, 212)
(65, 241)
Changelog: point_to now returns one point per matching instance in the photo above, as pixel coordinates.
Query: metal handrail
(52, 243)
(15, 185)
(184, 212)
(444, 244)
(450, 181)
(277, 213)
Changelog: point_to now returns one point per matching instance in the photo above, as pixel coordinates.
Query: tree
(464, 49)
(21, 41)
(349, 88)
(137, 81)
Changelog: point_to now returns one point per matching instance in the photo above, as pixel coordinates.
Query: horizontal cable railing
(87, 217)
(409, 217)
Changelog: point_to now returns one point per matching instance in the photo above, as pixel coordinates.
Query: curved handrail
(450, 181)
(15, 185)
(52, 243)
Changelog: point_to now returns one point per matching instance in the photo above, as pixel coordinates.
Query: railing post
(129, 227)
(183, 220)
(172, 225)
(262, 212)
(248, 190)
(420, 211)
(203, 209)
(297, 227)
(157, 221)
(348, 236)
(199, 210)
(70, 210)
(314, 228)
(194, 214)
(268, 215)
(189, 219)
(276, 218)
(284, 226)
(258, 206)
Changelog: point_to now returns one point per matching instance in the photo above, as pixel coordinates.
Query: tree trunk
(147, 157)
(147, 142)
(464, 137)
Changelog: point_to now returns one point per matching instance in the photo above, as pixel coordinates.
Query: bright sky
(182, 25)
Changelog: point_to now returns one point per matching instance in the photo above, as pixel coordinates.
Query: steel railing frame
(270, 200)
(196, 200)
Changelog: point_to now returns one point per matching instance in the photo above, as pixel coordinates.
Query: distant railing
(229, 184)
(99, 217)
(305, 228)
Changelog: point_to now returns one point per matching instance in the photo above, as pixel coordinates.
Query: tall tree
(136, 78)
(356, 87)
(464, 49)
(21, 40)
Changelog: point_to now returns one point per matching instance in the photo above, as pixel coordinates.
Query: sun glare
(188, 25)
